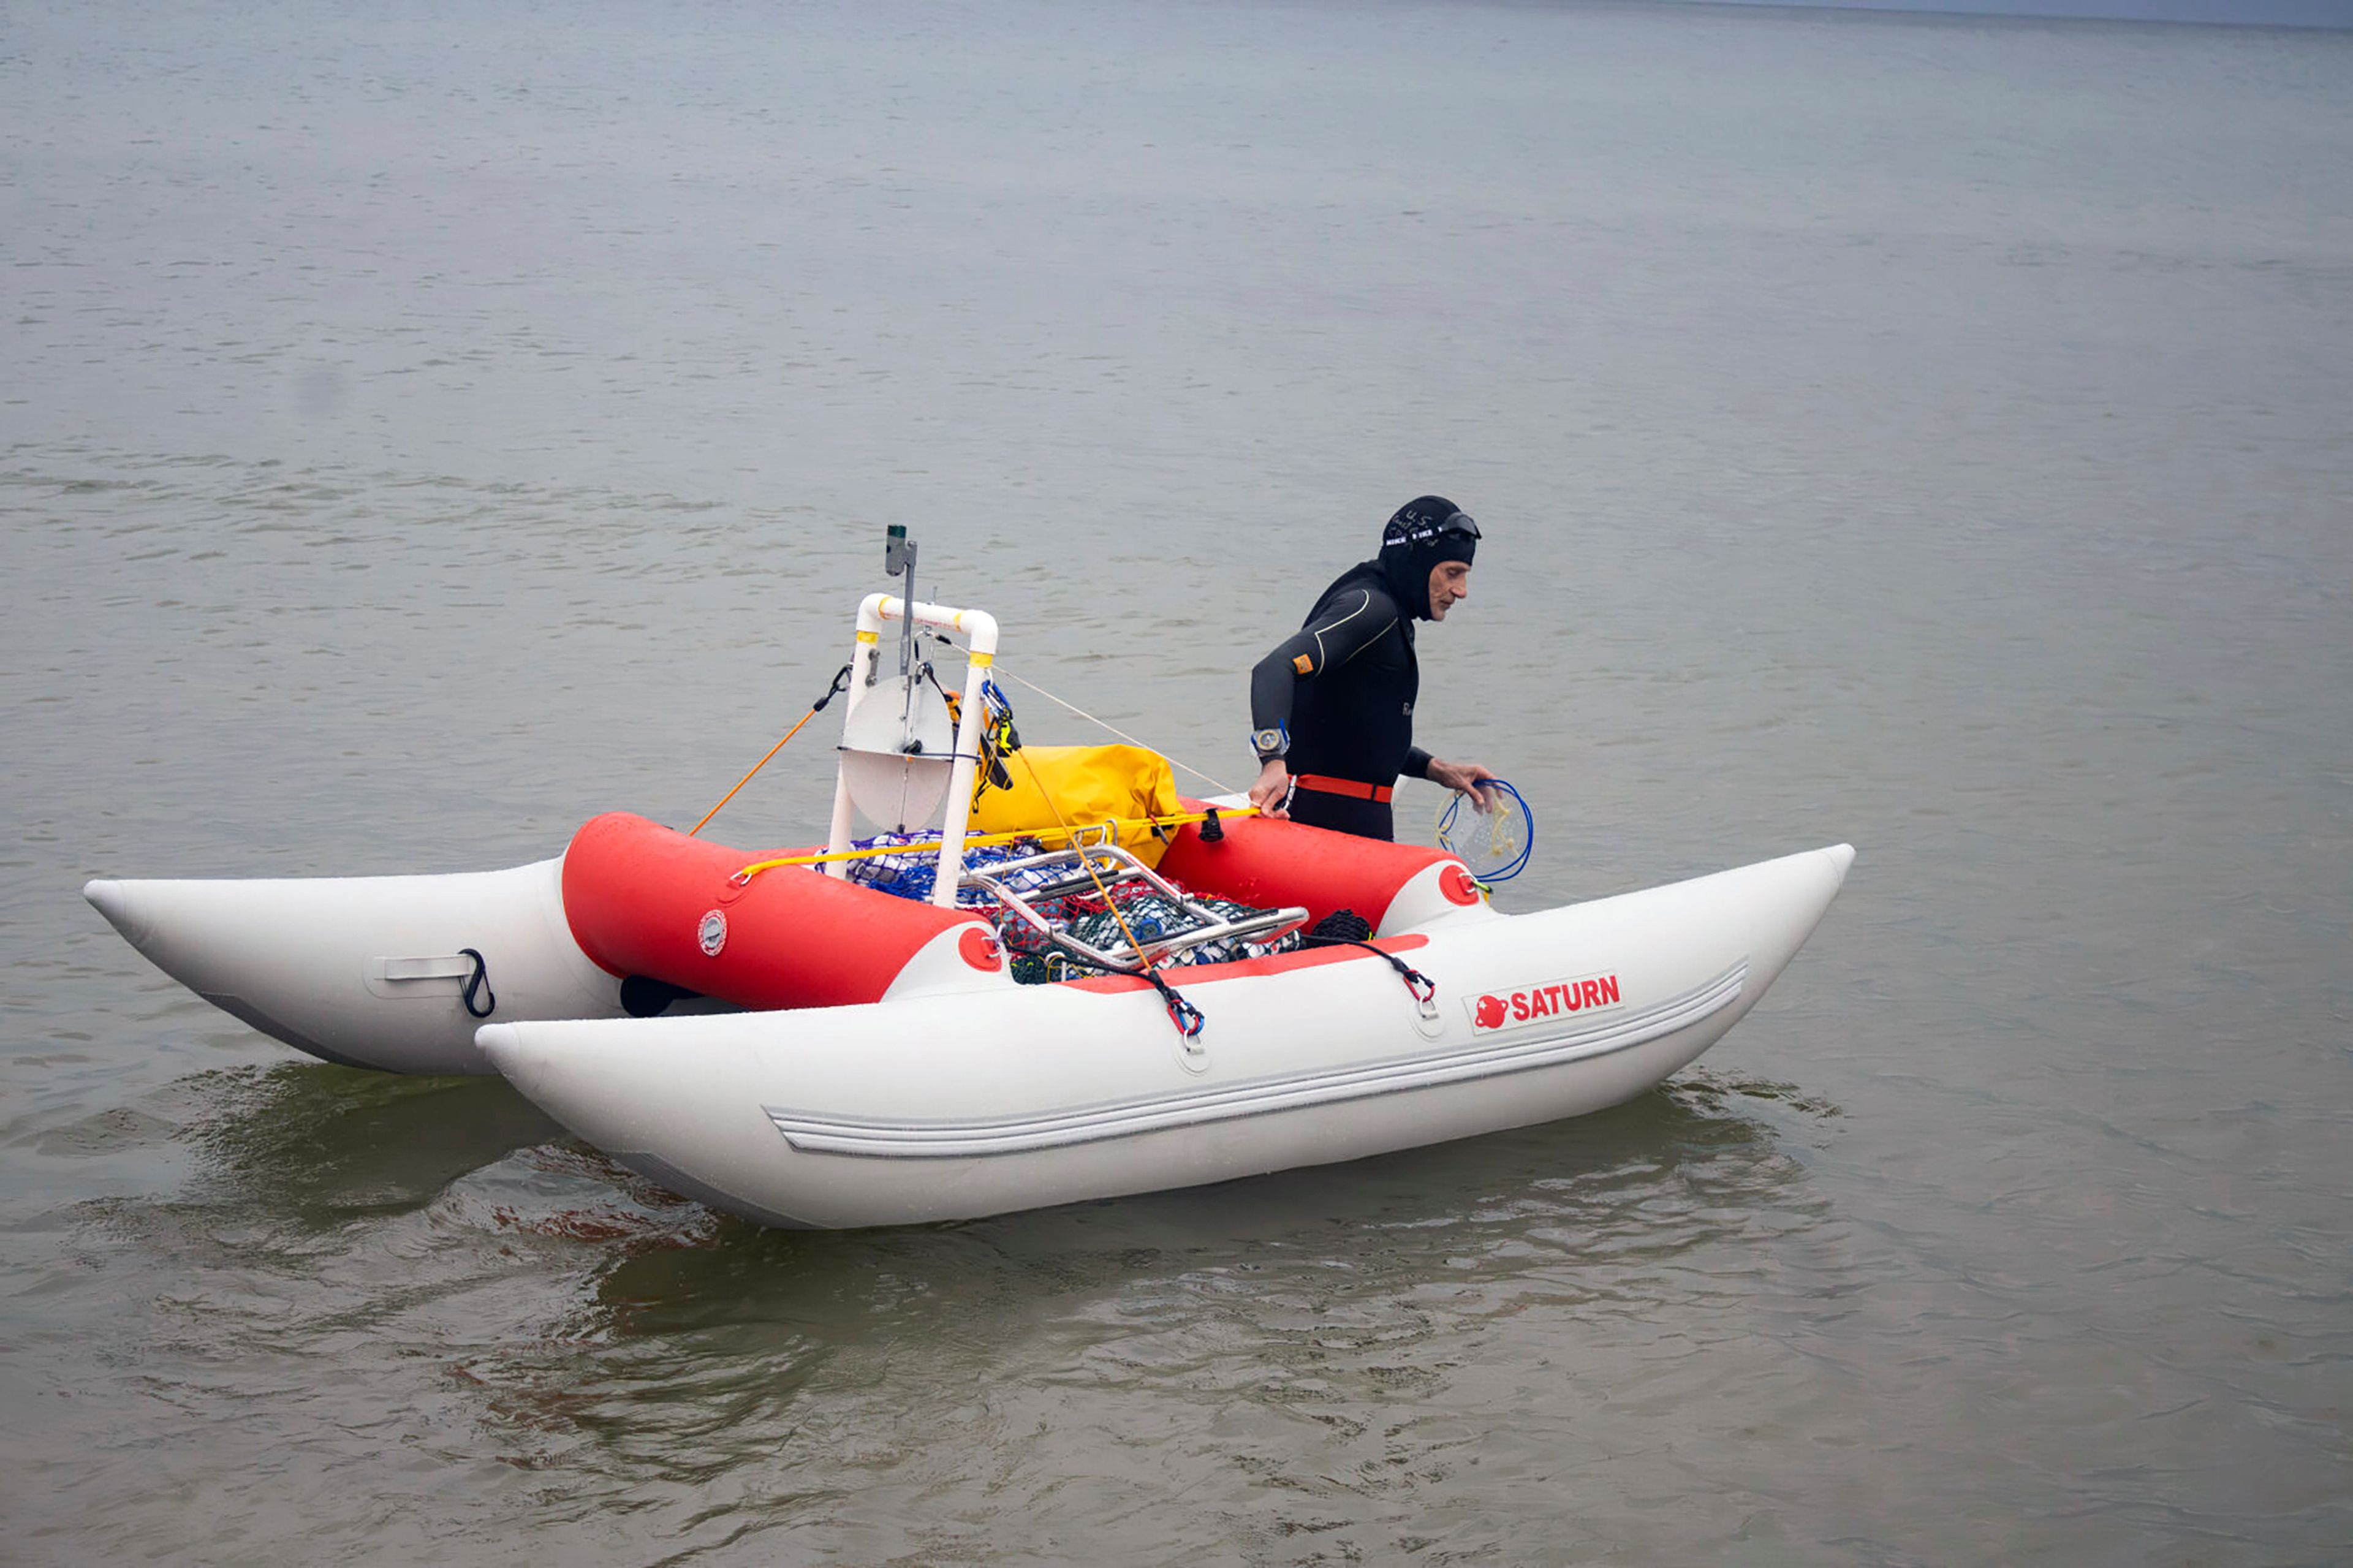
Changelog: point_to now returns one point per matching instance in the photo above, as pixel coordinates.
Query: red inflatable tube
(644, 900)
(1277, 865)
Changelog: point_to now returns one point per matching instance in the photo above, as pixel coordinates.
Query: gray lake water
(425, 427)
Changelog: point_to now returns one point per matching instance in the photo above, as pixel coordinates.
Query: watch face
(1269, 742)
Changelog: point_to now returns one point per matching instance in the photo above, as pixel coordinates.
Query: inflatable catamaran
(1047, 977)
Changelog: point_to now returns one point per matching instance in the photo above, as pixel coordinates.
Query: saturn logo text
(1501, 1010)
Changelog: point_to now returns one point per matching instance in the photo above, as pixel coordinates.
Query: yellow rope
(747, 777)
(985, 840)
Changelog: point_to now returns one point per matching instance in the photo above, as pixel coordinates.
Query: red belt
(1355, 789)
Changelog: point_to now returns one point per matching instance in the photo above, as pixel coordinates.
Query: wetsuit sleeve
(1338, 633)
(1416, 762)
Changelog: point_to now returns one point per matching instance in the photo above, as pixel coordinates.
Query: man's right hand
(1273, 787)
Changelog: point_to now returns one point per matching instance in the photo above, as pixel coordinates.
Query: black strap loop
(841, 681)
(954, 703)
(1188, 1018)
(478, 984)
(1423, 987)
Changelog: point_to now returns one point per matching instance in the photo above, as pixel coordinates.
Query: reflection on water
(316, 1146)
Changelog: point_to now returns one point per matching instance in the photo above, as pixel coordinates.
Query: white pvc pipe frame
(980, 630)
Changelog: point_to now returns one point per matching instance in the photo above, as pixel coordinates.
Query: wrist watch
(1271, 743)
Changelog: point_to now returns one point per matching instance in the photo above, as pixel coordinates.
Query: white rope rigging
(1223, 787)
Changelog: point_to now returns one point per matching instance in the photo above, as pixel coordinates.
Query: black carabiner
(477, 984)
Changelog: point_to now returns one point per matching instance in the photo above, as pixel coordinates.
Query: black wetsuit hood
(1413, 544)
(1406, 579)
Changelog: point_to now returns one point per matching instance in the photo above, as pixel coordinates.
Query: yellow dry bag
(1077, 787)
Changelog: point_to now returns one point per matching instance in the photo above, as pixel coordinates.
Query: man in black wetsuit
(1332, 708)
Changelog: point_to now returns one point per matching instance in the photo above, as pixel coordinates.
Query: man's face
(1450, 583)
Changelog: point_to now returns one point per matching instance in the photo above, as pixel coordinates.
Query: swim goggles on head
(1457, 523)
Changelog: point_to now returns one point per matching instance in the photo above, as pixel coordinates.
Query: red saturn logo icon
(1490, 1012)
